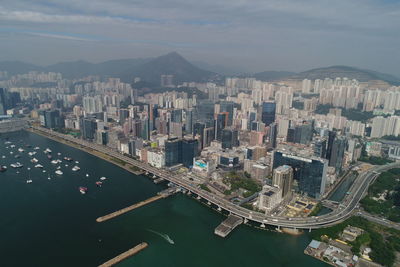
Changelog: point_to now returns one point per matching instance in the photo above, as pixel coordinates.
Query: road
(378, 220)
(344, 210)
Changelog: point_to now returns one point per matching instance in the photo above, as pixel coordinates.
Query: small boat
(59, 154)
(103, 178)
(77, 162)
(83, 190)
(68, 159)
(66, 165)
(31, 153)
(75, 168)
(87, 174)
(59, 172)
(28, 181)
(36, 148)
(54, 161)
(20, 150)
(44, 171)
(28, 169)
(16, 165)
(47, 151)
(38, 166)
(49, 178)
(59, 167)
(34, 160)
(3, 157)
(98, 183)
(11, 152)
(17, 156)
(3, 168)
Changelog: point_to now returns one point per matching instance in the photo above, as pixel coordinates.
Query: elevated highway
(344, 210)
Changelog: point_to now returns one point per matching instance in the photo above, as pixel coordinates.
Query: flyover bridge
(344, 210)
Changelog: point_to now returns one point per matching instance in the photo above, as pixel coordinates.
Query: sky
(248, 35)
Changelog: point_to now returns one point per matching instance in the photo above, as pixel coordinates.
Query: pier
(228, 225)
(125, 255)
(162, 194)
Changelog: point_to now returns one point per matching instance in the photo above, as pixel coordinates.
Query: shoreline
(100, 155)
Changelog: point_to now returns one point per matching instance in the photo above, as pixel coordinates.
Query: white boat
(20, 150)
(38, 166)
(44, 171)
(59, 167)
(16, 165)
(11, 152)
(28, 181)
(75, 168)
(59, 154)
(77, 162)
(3, 157)
(54, 161)
(47, 150)
(103, 178)
(49, 178)
(66, 165)
(87, 174)
(34, 160)
(28, 169)
(59, 172)
(37, 148)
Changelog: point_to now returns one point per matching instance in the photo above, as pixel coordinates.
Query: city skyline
(291, 36)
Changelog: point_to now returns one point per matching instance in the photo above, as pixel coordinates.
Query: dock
(163, 194)
(158, 180)
(125, 255)
(228, 225)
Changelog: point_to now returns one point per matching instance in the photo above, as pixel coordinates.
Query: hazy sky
(253, 35)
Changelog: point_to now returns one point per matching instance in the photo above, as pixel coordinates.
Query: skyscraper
(189, 151)
(331, 138)
(3, 101)
(337, 154)
(229, 138)
(227, 106)
(310, 172)
(283, 179)
(268, 112)
(173, 152)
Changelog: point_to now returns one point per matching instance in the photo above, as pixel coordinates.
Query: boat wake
(165, 236)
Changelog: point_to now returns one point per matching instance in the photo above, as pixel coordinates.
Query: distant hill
(17, 67)
(272, 75)
(172, 63)
(149, 69)
(345, 71)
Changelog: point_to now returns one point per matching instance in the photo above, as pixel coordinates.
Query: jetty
(163, 194)
(228, 225)
(125, 255)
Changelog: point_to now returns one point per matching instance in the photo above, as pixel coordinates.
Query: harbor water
(50, 223)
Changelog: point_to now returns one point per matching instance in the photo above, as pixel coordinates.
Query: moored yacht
(75, 168)
(59, 172)
(38, 166)
(83, 190)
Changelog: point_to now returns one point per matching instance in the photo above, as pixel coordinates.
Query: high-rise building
(173, 152)
(272, 134)
(189, 151)
(331, 138)
(219, 124)
(303, 133)
(283, 179)
(337, 154)
(189, 118)
(229, 138)
(88, 127)
(268, 112)
(310, 172)
(227, 106)
(3, 103)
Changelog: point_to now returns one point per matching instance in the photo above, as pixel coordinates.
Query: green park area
(237, 180)
(383, 196)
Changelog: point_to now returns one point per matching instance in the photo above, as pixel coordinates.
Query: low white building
(156, 158)
(269, 198)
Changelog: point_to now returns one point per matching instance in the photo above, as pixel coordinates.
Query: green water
(49, 223)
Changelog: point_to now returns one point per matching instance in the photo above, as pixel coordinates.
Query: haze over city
(246, 36)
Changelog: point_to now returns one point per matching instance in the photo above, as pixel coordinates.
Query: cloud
(287, 34)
